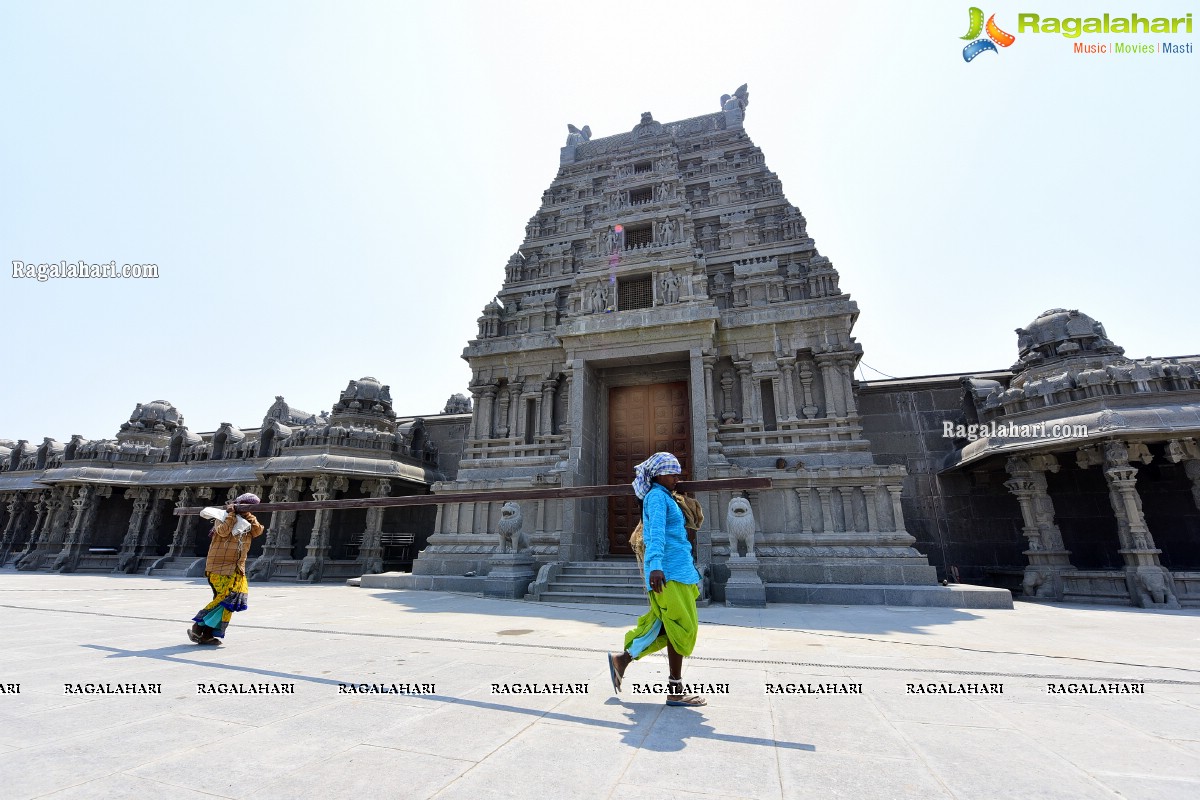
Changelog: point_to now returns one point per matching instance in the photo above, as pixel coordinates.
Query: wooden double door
(643, 420)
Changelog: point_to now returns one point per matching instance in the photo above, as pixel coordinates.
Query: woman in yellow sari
(225, 569)
(672, 582)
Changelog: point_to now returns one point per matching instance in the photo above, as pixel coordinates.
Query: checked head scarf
(645, 472)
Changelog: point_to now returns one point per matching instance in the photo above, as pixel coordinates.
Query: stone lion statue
(739, 523)
(512, 540)
(1154, 590)
(1036, 584)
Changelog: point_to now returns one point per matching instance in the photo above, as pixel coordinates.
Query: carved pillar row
(370, 552)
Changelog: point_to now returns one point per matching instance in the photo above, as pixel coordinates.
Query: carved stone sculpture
(739, 524)
(512, 539)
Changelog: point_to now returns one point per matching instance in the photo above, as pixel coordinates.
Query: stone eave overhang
(20, 482)
(221, 473)
(203, 474)
(1105, 422)
(334, 463)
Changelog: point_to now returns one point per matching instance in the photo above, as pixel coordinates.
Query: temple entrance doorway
(642, 420)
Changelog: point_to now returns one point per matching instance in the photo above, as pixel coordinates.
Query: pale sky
(331, 190)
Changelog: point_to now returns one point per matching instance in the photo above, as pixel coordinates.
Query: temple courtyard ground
(335, 691)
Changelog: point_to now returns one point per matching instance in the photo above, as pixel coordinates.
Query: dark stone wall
(967, 518)
(449, 433)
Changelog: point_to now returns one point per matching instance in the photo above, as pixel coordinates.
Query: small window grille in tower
(635, 293)
(643, 166)
(636, 235)
(639, 196)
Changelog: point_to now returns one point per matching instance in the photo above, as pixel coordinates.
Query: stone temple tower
(667, 296)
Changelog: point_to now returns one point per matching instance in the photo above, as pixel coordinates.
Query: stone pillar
(370, 552)
(154, 520)
(546, 426)
(10, 528)
(1192, 470)
(324, 488)
(727, 413)
(870, 496)
(127, 558)
(1150, 584)
(278, 546)
(787, 369)
(53, 530)
(804, 498)
(825, 493)
(698, 411)
(37, 505)
(518, 406)
(1048, 558)
(502, 412)
(845, 370)
(743, 371)
(183, 526)
(476, 403)
(709, 360)
(486, 404)
(84, 506)
(806, 377)
(833, 393)
(897, 509)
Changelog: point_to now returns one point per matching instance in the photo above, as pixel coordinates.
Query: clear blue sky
(331, 190)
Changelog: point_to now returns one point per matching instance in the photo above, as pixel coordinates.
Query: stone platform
(819, 701)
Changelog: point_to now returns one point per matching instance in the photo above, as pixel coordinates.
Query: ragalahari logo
(994, 35)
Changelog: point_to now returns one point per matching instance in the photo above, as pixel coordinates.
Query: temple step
(603, 582)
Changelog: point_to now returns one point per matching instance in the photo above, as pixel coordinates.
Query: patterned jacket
(226, 552)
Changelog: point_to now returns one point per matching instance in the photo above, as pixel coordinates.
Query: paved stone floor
(462, 739)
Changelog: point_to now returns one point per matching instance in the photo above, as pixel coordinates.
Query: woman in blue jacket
(672, 582)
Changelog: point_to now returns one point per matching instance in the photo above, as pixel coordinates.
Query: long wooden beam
(615, 490)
